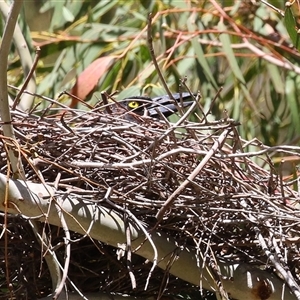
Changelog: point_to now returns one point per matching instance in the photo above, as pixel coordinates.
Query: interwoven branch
(234, 194)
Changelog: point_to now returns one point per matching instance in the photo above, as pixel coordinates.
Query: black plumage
(153, 107)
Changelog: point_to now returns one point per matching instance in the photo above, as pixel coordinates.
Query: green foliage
(291, 25)
(240, 46)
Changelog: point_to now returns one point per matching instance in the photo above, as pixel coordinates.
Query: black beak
(167, 106)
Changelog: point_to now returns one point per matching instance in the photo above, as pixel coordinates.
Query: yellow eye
(133, 104)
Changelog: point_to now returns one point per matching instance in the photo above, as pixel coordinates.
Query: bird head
(155, 107)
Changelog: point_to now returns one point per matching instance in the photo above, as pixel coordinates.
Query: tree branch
(8, 130)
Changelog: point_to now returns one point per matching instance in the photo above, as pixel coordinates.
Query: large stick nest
(231, 194)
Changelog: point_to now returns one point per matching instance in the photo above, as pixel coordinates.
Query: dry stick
(213, 101)
(28, 78)
(217, 276)
(281, 182)
(280, 257)
(287, 278)
(6, 254)
(67, 256)
(238, 144)
(191, 177)
(298, 183)
(173, 257)
(129, 253)
(50, 256)
(58, 281)
(273, 7)
(151, 49)
(196, 99)
(77, 98)
(53, 101)
(138, 223)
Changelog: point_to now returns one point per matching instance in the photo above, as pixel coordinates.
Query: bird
(152, 107)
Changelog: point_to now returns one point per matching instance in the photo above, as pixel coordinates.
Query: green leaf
(226, 45)
(276, 78)
(291, 26)
(200, 56)
(68, 16)
(129, 92)
(293, 103)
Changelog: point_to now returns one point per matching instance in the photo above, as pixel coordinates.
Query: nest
(224, 195)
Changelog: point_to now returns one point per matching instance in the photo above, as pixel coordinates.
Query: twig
(287, 277)
(273, 7)
(217, 145)
(129, 252)
(67, 256)
(30, 76)
(150, 44)
(137, 222)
